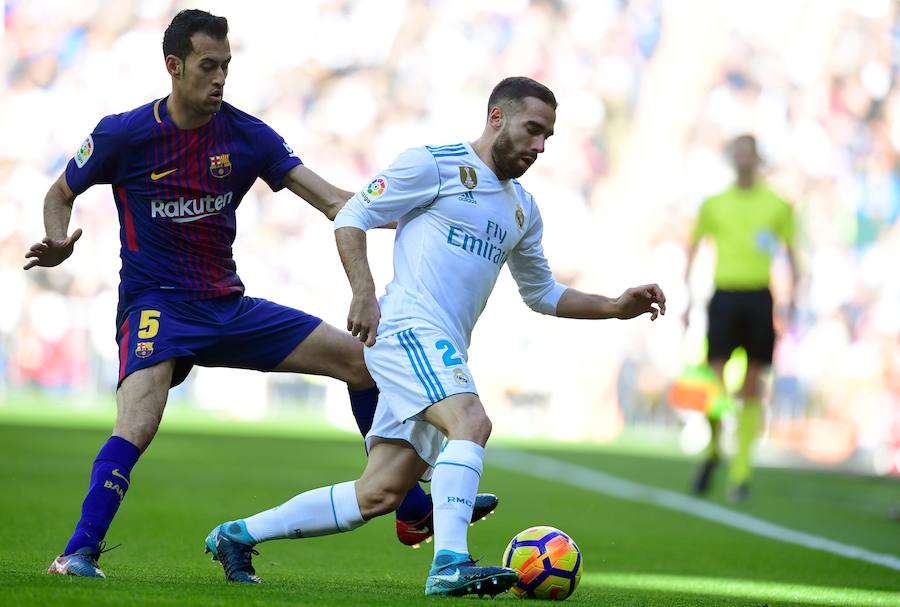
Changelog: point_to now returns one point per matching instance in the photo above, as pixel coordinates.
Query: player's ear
(174, 66)
(495, 117)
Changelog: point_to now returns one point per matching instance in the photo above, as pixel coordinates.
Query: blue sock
(363, 403)
(110, 478)
(417, 504)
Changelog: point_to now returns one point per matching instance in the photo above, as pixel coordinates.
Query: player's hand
(641, 300)
(50, 252)
(362, 321)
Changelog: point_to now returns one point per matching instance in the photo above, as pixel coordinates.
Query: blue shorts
(233, 331)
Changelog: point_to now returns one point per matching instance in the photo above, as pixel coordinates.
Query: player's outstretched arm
(57, 246)
(646, 299)
(364, 315)
(309, 186)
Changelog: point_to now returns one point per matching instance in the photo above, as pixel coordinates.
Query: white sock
(318, 512)
(453, 488)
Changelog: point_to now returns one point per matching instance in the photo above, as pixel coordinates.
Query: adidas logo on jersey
(468, 197)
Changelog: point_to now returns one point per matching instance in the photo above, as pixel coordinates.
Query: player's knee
(473, 425)
(482, 428)
(376, 500)
(358, 376)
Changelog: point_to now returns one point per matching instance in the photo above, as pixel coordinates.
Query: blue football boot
(232, 546)
(455, 574)
(81, 563)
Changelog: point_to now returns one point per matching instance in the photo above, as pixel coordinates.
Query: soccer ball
(548, 563)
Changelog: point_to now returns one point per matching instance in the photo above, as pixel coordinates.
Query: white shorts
(414, 369)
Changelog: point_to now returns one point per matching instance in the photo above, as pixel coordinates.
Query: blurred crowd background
(650, 94)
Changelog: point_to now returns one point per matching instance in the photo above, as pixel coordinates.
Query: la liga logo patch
(377, 187)
(84, 152)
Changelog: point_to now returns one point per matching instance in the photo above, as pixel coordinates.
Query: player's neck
(182, 115)
(482, 148)
(746, 182)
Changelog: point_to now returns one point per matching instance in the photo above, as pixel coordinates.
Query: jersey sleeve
(531, 271)
(411, 182)
(277, 157)
(97, 160)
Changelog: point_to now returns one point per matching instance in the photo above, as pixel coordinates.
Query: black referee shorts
(741, 318)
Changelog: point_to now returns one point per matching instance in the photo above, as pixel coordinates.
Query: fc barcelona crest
(468, 177)
(220, 165)
(520, 217)
(143, 349)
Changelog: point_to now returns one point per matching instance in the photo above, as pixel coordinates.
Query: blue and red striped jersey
(176, 192)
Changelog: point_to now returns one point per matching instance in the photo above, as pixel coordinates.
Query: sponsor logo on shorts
(84, 152)
(460, 376)
(143, 349)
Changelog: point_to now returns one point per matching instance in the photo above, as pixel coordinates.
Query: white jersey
(458, 225)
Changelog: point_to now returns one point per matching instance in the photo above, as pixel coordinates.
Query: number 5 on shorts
(149, 326)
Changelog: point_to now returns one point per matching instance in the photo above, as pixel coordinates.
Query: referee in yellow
(748, 223)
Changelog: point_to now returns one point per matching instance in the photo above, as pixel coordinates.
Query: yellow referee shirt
(747, 227)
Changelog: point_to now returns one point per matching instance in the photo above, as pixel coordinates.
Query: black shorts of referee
(741, 318)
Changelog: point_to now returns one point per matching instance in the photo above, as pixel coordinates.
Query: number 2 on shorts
(450, 357)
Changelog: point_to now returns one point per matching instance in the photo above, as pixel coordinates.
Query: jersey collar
(477, 159)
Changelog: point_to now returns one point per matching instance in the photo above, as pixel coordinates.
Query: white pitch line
(607, 484)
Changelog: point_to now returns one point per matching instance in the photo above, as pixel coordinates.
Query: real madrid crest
(460, 376)
(520, 216)
(468, 177)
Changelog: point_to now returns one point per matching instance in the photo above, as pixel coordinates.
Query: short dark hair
(744, 138)
(516, 88)
(177, 39)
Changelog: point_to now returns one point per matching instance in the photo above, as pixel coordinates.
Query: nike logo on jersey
(156, 176)
(447, 578)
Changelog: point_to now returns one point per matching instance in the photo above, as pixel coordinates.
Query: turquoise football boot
(232, 546)
(455, 574)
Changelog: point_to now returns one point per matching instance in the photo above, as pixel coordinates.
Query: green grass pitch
(634, 554)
